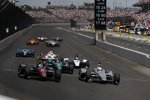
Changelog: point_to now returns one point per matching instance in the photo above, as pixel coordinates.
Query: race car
(80, 63)
(99, 75)
(39, 71)
(25, 53)
(52, 43)
(42, 39)
(50, 54)
(59, 39)
(64, 64)
(49, 61)
(67, 67)
(32, 42)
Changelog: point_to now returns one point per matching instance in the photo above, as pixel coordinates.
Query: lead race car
(99, 75)
(52, 59)
(25, 53)
(39, 71)
(50, 54)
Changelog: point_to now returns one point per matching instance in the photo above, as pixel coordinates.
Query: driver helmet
(49, 56)
(76, 57)
(99, 64)
(99, 68)
(41, 54)
(40, 65)
(51, 53)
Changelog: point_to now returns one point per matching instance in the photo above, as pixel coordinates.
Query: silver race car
(51, 43)
(99, 75)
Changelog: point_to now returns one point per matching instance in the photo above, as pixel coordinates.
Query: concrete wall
(138, 57)
(135, 56)
(7, 41)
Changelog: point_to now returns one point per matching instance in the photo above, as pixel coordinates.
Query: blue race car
(25, 53)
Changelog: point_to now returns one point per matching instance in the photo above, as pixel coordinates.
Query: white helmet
(99, 68)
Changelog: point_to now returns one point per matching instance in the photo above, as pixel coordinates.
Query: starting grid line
(75, 75)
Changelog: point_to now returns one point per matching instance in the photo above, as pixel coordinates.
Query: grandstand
(11, 16)
(144, 4)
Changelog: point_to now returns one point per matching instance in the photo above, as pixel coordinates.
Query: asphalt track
(134, 77)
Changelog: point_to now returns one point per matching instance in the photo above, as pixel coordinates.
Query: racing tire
(116, 80)
(87, 64)
(21, 70)
(71, 69)
(27, 73)
(60, 58)
(17, 55)
(79, 71)
(58, 75)
(33, 55)
(88, 75)
(82, 77)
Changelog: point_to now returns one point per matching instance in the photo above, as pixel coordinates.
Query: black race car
(39, 71)
(67, 67)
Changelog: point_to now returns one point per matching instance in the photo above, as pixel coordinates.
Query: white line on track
(2, 97)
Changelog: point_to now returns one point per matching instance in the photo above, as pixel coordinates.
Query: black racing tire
(79, 71)
(58, 76)
(27, 73)
(46, 44)
(88, 64)
(33, 55)
(17, 55)
(21, 70)
(116, 80)
(60, 58)
(88, 75)
(71, 69)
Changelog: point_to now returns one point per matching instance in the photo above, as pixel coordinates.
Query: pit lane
(134, 84)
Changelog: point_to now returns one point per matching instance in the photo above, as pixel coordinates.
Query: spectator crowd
(64, 14)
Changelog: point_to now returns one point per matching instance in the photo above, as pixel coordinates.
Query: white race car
(42, 38)
(50, 54)
(80, 63)
(51, 43)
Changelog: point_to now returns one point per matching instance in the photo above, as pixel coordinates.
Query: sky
(43, 3)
